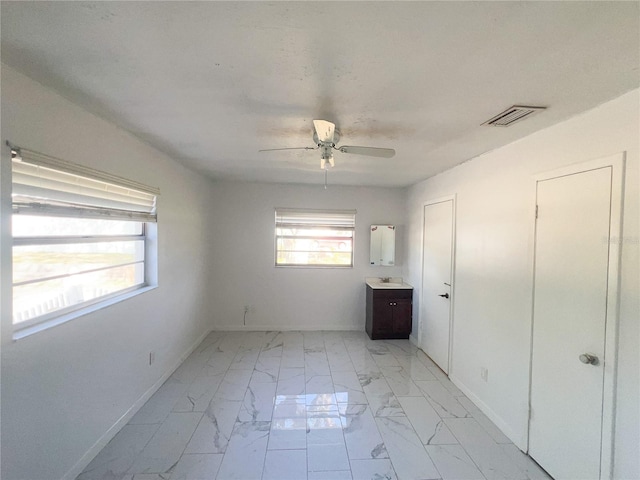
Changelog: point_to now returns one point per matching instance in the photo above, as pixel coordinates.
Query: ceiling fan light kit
(327, 160)
(326, 136)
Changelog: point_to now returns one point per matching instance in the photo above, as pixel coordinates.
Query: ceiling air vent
(512, 115)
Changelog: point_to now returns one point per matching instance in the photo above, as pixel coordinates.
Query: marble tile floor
(309, 406)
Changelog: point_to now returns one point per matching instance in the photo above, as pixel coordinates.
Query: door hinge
(536, 211)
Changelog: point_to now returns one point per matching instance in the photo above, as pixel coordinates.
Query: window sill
(54, 322)
(313, 266)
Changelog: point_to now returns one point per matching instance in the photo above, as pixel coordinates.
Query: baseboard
(493, 416)
(518, 440)
(79, 467)
(287, 328)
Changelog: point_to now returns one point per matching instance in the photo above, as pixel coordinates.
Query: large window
(79, 236)
(314, 237)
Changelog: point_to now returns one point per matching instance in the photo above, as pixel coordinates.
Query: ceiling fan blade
(290, 148)
(370, 151)
(324, 130)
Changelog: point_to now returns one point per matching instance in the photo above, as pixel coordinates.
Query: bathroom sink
(395, 282)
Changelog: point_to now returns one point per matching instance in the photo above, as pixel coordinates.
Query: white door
(435, 313)
(569, 320)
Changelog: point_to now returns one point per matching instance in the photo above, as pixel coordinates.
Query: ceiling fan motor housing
(336, 139)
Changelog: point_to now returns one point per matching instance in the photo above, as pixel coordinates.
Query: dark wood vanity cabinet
(388, 312)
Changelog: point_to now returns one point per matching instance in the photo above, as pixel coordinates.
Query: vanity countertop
(395, 283)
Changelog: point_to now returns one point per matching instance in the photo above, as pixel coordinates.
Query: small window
(315, 238)
(79, 236)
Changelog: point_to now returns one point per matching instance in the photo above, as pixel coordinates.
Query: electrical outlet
(484, 374)
(152, 357)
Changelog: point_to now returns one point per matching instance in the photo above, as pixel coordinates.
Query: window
(314, 237)
(79, 236)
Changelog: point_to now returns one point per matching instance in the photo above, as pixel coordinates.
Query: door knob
(444, 295)
(588, 359)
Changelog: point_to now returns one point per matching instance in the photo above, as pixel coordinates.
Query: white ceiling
(210, 83)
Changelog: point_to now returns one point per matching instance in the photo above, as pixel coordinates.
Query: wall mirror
(383, 245)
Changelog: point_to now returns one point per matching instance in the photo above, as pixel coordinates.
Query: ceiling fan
(325, 137)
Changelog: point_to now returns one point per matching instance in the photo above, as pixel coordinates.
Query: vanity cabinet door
(382, 316)
(402, 316)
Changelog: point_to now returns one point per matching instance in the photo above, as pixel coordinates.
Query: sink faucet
(385, 279)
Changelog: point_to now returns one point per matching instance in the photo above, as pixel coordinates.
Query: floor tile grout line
(466, 452)
(377, 429)
(443, 420)
(417, 436)
(235, 351)
(326, 343)
(204, 414)
(344, 440)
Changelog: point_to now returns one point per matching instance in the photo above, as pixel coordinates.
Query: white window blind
(43, 185)
(286, 217)
(322, 238)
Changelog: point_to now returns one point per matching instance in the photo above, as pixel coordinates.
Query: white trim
(519, 441)
(315, 211)
(286, 328)
(40, 159)
(102, 442)
(46, 208)
(40, 324)
(434, 201)
(44, 185)
(81, 272)
(617, 163)
(613, 318)
(532, 273)
(62, 240)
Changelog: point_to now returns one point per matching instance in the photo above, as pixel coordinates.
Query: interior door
(435, 313)
(570, 314)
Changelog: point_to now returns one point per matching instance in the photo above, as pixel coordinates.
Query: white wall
(63, 388)
(243, 251)
(493, 279)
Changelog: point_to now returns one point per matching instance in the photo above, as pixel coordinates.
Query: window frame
(80, 239)
(315, 226)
